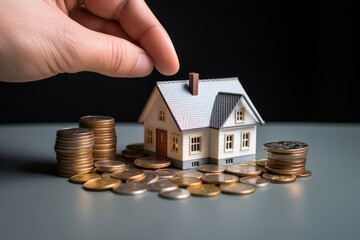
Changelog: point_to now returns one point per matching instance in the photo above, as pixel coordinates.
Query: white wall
(249, 116)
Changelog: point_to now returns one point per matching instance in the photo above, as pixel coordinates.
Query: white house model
(195, 122)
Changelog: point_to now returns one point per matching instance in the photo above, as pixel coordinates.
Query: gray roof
(210, 108)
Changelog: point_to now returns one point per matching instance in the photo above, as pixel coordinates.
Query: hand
(118, 38)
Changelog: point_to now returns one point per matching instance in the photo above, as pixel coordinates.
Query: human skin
(117, 38)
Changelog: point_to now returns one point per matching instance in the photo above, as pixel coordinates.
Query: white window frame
(239, 115)
(245, 141)
(175, 143)
(196, 146)
(228, 142)
(149, 136)
(161, 115)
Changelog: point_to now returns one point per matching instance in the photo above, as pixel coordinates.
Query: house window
(161, 115)
(175, 143)
(229, 161)
(149, 136)
(239, 116)
(195, 164)
(195, 145)
(245, 140)
(229, 142)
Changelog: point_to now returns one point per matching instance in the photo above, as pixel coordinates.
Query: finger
(110, 55)
(141, 25)
(96, 23)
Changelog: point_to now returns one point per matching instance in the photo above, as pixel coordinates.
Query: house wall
(249, 116)
(151, 122)
(218, 151)
(204, 133)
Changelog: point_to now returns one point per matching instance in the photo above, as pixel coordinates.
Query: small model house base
(200, 121)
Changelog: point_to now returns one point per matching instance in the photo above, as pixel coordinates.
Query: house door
(161, 143)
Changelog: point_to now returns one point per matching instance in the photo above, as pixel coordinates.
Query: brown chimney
(194, 83)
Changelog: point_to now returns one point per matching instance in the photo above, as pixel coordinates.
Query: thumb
(112, 56)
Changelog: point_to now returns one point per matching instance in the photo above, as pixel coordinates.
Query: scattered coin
(275, 178)
(82, 178)
(205, 190)
(101, 184)
(304, 174)
(186, 181)
(166, 172)
(237, 188)
(216, 178)
(130, 189)
(243, 170)
(129, 174)
(189, 173)
(178, 193)
(152, 162)
(109, 165)
(256, 181)
(261, 162)
(211, 168)
(136, 147)
(162, 185)
(150, 177)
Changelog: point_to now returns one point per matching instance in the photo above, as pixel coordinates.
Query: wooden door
(161, 143)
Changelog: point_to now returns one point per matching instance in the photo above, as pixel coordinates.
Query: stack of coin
(73, 149)
(104, 135)
(286, 157)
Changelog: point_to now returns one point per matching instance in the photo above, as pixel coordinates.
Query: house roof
(210, 108)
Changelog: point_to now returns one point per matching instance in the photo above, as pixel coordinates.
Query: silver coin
(150, 177)
(162, 185)
(285, 146)
(179, 193)
(256, 181)
(106, 175)
(130, 189)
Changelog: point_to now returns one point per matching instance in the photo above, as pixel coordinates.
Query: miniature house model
(200, 121)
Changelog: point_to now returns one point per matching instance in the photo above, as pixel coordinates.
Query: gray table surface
(37, 204)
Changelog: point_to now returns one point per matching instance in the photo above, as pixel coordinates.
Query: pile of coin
(286, 157)
(104, 135)
(73, 149)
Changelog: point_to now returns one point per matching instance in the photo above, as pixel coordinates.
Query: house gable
(240, 116)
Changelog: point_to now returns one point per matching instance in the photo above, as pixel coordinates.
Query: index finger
(140, 24)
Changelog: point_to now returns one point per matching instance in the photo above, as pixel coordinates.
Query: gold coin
(129, 174)
(211, 168)
(109, 165)
(304, 174)
(285, 171)
(186, 181)
(205, 190)
(256, 181)
(152, 162)
(101, 184)
(261, 162)
(276, 178)
(237, 188)
(243, 170)
(82, 178)
(215, 178)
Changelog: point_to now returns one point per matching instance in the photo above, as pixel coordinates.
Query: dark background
(294, 59)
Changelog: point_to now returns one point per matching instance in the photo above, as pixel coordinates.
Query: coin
(237, 188)
(162, 185)
(152, 162)
(256, 181)
(136, 146)
(179, 193)
(109, 165)
(82, 178)
(243, 170)
(261, 162)
(205, 190)
(211, 168)
(130, 189)
(304, 174)
(150, 177)
(101, 184)
(189, 173)
(285, 146)
(186, 181)
(276, 178)
(166, 172)
(217, 179)
(129, 174)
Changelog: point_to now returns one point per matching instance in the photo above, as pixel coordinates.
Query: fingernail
(144, 66)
